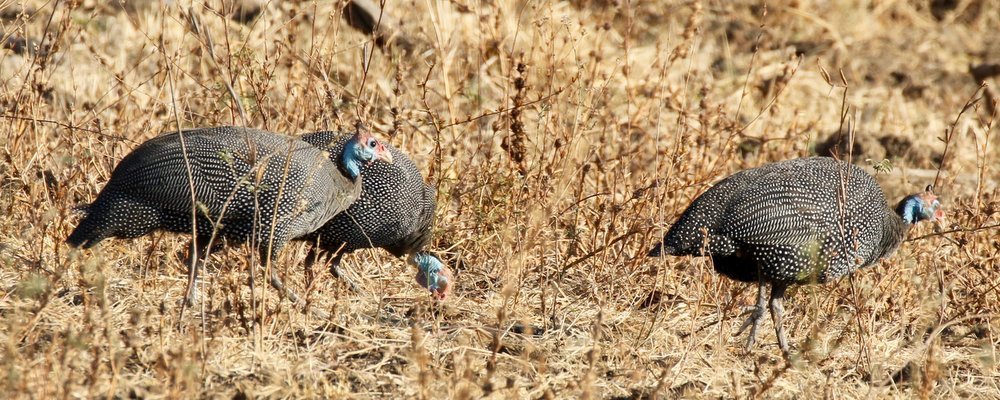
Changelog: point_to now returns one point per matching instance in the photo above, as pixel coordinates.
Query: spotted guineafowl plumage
(809, 220)
(249, 186)
(395, 212)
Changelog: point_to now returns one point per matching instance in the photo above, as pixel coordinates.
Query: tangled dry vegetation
(563, 138)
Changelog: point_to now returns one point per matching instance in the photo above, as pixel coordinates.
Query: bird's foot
(777, 315)
(192, 296)
(753, 322)
(280, 287)
(338, 273)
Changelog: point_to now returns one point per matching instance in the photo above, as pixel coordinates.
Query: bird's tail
(87, 234)
(111, 216)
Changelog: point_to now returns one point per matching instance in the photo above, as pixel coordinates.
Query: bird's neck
(895, 231)
(349, 164)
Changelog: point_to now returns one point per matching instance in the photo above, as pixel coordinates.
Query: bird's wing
(156, 172)
(779, 210)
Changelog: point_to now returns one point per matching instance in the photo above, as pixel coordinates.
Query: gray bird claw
(339, 273)
(755, 316)
(277, 284)
(190, 298)
(753, 322)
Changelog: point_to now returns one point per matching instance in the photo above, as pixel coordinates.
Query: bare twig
(950, 132)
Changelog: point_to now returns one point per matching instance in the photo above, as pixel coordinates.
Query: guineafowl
(248, 185)
(395, 212)
(809, 220)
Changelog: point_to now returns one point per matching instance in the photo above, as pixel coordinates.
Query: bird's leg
(196, 254)
(754, 320)
(275, 280)
(313, 256)
(339, 273)
(280, 286)
(335, 267)
(777, 311)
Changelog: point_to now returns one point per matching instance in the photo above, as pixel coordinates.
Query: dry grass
(563, 137)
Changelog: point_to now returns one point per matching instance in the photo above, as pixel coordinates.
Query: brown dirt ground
(563, 139)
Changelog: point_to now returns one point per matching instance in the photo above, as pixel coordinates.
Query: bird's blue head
(923, 206)
(433, 275)
(363, 147)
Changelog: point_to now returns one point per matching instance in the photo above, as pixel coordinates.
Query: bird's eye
(372, 143)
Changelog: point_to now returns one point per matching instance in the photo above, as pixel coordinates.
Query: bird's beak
(438, 283)
(385, 155)
(443, 286)
(437, 280)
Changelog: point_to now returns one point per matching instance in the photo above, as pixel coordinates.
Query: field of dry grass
(563, 139)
